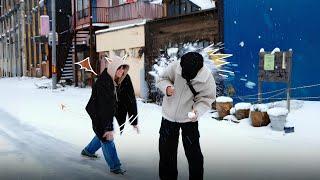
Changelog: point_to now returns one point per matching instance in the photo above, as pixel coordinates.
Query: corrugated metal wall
(253, 24)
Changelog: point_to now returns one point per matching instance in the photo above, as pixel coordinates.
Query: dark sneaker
(87, 154)
(119, 171)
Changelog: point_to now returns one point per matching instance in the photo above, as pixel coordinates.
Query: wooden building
(24, 50)
(12, 59)
(105, 15)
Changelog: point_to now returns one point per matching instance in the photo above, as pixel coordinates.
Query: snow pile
(172, 52)
(231, 118)
(224, 99)
(294, 104)
(278, 111)
(156, 2)
(204, 4)
(44, 83)
(275, 50)
(242, 106)
(289, 124)
(259, 107)
(233, 111)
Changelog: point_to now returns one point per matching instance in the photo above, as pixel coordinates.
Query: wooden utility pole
(29, 16)
(91, 37)
(54, 54)
(22, 37)
(75, 43)
(91, 33)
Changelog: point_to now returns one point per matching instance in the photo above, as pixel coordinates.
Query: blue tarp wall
(287, 24)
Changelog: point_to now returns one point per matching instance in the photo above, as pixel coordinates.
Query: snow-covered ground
(42, 133)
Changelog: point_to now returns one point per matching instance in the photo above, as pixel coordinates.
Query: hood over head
(113, 67)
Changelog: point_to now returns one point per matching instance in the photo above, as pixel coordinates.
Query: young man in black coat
(112, 96)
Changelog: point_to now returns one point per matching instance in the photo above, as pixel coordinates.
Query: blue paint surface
(287, 24)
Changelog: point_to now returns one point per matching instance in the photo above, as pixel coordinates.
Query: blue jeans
(109, 152)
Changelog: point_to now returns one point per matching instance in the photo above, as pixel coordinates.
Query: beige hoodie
(114, 65)
(112, 69)
(175, 108)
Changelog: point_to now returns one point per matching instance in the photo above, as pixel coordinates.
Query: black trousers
(168, 146)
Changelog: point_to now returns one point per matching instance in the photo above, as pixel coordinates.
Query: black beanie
(191, 63)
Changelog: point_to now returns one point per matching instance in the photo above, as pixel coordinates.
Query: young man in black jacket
(112, 96)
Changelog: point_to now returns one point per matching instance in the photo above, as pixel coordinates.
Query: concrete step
(67, 71)
(66, 74)
(67, 77)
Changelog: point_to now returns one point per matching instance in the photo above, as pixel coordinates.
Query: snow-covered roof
(204, 4)
(143, 22)
(156, 2)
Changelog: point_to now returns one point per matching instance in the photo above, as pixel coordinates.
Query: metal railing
(122, 12)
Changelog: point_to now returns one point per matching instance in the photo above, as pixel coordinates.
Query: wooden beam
(29, 39)
(40, 53)
(33, 34)
(46, 46)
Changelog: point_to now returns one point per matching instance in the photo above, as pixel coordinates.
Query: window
(119, 52)
(188, 10)
(179, 7)
(136, 52)
(82, 8)
(104, 55)
(107, 54)
(122, 1)
(79, 5)
(182, 7)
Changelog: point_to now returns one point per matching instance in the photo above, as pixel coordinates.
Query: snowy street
(26, 153)
(42, 133)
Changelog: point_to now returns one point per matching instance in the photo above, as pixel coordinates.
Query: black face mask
(191, 63)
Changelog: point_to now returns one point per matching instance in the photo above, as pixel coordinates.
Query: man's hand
(193, 115)
(108, 135)
(170, 90)
(136, 128)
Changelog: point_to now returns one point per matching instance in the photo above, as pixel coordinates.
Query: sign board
(268, 62)
(45, 25)
(275, 67)
(40, 39)
(50, 38)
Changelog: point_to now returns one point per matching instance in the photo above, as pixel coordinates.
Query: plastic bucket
(278, 122)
